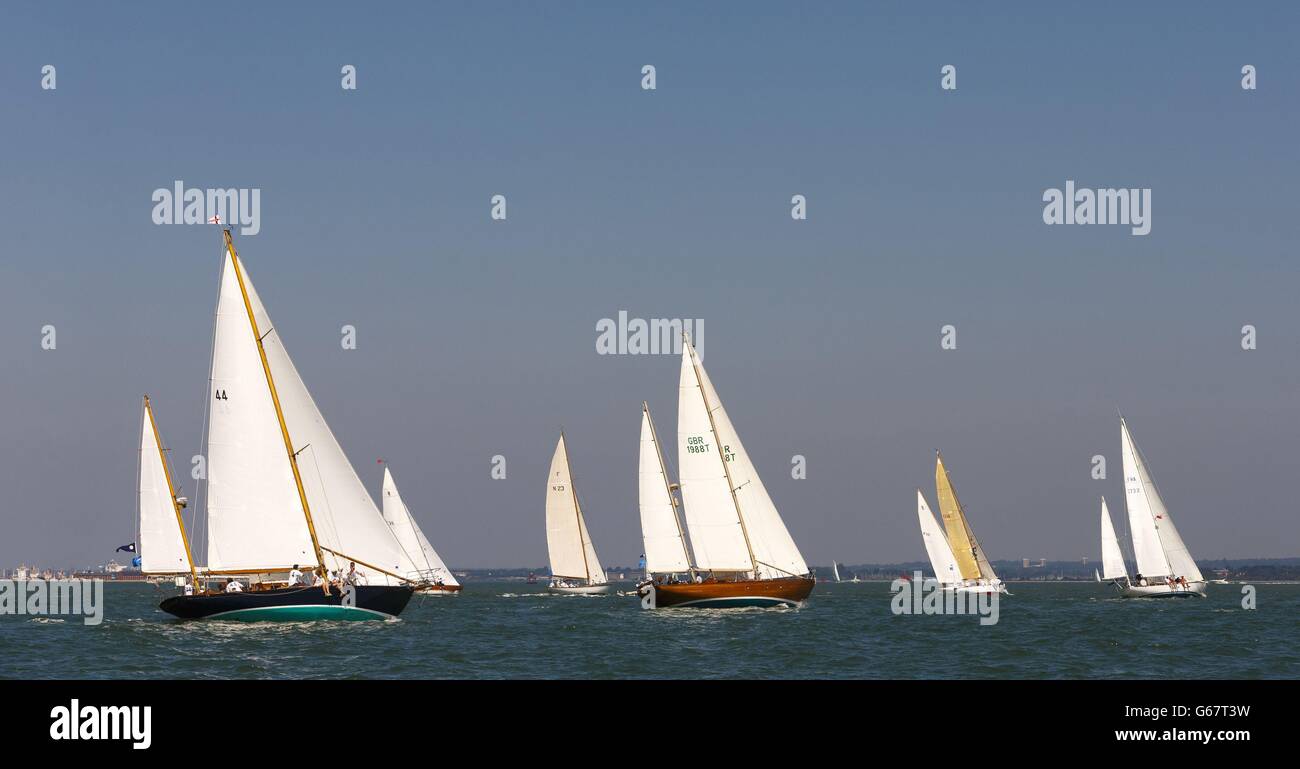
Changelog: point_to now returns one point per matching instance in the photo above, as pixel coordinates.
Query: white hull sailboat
(958, 561)
(282, 496)
(1165, 568)
(575, 570)
(743, 553)
(433, 575)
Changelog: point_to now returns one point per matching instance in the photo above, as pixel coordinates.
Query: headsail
(750, 529)
(936, 544)
(971, 561)
(1112, 560)
(1156, 543)
(567, 539)
(835, 569)
(429, 565)
(661, 529)
(162, 542)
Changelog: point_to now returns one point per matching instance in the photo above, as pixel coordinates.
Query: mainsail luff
(156, 511)
(666, 551)
(1112, 559)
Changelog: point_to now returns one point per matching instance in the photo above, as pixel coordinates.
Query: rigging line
(329, 510)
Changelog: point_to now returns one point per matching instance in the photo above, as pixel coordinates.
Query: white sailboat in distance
(433, 575)
(1165, 568)
(574, 567)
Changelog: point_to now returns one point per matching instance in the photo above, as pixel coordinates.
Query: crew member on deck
(354, 577)
(233, 586)
(295, 576)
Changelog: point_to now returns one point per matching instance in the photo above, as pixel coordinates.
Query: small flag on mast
(214, 220)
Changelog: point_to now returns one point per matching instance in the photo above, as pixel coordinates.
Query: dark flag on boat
(126, 548)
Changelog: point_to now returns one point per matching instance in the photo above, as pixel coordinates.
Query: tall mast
(171, 490)
(713, 427)
(279, 413)
(577, 508)
(663, 470)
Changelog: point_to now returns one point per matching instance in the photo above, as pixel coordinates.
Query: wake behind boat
(575, 570)
(281, 492)
(1165, 568)
(743, 553)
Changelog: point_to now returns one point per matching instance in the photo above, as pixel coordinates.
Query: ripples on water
(511, 630)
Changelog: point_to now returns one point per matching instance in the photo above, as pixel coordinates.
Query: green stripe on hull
(306, 613)
(736, 603)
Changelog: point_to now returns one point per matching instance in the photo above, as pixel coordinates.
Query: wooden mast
(171, 490)
(699, 382)
(279, 413)
(663, 469)
(577, 508)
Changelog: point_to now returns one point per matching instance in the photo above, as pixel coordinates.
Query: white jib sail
(835, 569)
(161, 543)
(936, 544)
(665, 549)
(411, 537)
(1143, 506)
(255, 519)
(567, 539)
(1112, 560)
(774, 550)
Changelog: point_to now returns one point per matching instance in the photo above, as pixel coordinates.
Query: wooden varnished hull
(787, 591)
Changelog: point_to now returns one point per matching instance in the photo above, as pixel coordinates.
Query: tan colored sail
(965, 548)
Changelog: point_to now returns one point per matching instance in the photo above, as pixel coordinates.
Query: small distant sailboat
(164, 549)
(267, 511)
(835, 569)
(574, 566)
(744, 555)
(1165, 567)
(958, 560)
(433, 575)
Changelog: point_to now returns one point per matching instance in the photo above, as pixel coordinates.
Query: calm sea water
(512, 630)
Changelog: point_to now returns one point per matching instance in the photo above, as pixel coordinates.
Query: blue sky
(477, 337)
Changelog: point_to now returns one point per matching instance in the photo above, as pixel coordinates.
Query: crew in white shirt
(295, 576)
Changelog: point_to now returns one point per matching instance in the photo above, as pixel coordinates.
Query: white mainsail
(936, 544)
(1112, 560)
(409, 535)
(1156, 543)
(255, 518)
(161, 541)
(665, 545)
(567, 539)
(835, 569)
(740, 531)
